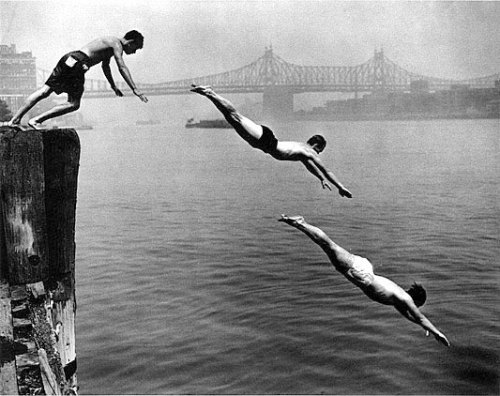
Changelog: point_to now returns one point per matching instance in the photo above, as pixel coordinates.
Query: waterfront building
(419, 102)
(17, 76)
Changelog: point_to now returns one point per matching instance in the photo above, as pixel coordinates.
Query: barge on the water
(215, 124)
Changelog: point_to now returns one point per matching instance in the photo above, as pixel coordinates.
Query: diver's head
(317, 142)
(134, 41)
(418, 294)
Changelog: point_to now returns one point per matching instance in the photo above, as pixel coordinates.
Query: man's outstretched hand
(141, 96)
(344, 192)
(325, 185)
(440, 337)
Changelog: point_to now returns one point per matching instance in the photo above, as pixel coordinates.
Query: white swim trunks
(361, 271)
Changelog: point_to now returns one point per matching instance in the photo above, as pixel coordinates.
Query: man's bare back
(293, 151)
(102, 48)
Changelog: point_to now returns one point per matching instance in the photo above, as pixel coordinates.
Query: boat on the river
(215, 124)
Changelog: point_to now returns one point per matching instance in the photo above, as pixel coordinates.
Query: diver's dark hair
(418, 293)
(135, 36)
(319, 140)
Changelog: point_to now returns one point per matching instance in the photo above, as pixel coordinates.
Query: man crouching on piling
(69, 75)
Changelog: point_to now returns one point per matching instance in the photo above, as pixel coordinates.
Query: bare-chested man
(261, 137)
(69, 75)
(359, 271)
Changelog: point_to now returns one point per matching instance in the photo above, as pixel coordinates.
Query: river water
(187, 283)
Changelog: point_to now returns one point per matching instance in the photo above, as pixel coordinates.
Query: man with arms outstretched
(69, 75)
(261, 137)
(359, 271)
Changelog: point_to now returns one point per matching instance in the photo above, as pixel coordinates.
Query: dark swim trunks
(69, 74)
(267, 142)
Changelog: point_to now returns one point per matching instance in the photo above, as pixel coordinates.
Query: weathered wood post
(61, 158)
(38, 186)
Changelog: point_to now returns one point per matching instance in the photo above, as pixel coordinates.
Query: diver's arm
(410, 311)
(125, 72)
(109, 76)
(329, 175)
(309, 164)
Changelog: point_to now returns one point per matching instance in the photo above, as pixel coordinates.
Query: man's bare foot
(34, 124)
(11, 124)
(292, 220)
(201, 89)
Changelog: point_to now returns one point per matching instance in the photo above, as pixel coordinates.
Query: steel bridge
(272, 73)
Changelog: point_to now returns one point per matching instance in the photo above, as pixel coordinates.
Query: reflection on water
(475, 368)
(186, 282)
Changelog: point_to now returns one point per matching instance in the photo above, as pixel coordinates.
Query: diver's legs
(337, 254)
(32, 100)
(246, 128)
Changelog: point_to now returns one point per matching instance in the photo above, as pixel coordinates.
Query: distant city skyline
(279, 81)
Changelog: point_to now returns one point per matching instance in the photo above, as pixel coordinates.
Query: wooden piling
(23, 206)
(38, 189)
(8, 378)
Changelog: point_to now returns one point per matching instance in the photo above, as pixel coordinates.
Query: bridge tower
(379, 83)
(277, 101)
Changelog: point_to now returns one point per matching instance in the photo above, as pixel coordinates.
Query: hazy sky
(188, 38)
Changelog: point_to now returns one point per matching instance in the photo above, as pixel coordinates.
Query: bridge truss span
(272, 72)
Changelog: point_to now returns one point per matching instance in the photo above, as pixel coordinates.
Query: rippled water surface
(186, 282)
